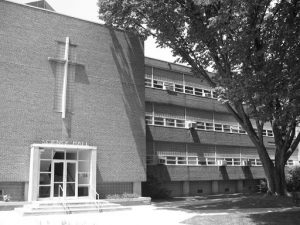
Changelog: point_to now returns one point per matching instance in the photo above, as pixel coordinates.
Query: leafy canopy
(253, 46)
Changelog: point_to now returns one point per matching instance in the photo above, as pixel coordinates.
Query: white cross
(65, 80)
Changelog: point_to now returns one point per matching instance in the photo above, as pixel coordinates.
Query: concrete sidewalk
(145, 215)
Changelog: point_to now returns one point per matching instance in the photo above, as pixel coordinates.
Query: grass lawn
(236, 209)
(274, 218)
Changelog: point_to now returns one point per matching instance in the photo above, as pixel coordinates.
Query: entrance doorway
(62, 170)
(65, 181)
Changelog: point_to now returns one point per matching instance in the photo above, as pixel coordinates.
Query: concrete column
(240, 186)
(26, 184)
(215, 186)
(93, 174)
(137, 188)
(34, 170)
(186, 188)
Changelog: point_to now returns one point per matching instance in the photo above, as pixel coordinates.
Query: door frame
(34, 168)
(64, 181)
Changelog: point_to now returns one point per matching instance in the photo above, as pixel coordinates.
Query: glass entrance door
(64, 178)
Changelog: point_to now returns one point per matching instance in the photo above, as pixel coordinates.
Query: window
(229, 161)
(192, 160)
(181, 160)
(179, 88)
(236, 162)
(158, 84)
(180, 123)
(270, 133)
(214, 94)
(189, 90)
(149, 120)
(170, 122)
(234, 129)
(198, 92)
(209, 126)
(158, 121)
(264, 133)
(226, 128)
(241, 130)
(218, 127)
(200, 125)
(148, 82)
(207, 93)
(168, 86)
(202, 161)
(171, 160)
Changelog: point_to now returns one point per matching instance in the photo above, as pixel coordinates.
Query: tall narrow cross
(65, 80)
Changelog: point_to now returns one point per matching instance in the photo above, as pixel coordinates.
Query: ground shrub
(293, 179)
(122, 196)
(153, 188)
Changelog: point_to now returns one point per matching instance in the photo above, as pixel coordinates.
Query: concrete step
(51, 208)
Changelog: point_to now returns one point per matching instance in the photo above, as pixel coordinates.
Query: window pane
(159, 121)
(207, 93)
(44, 192)
(169, 86)
(148, 119)
(198, 92)
(45, 178)
(218, 127)
(188, 90)
(158, 84)
(71, 155)
(46, 153)
(226, 128)
(83, 166)
(83, 191)
(201, 125)
(147, 82)
(59, 155)
(84, 155)
(209, 126)
(58, 172)
(234, 129)
(45, 166)
(83, 178)
(178, 88)
(180, 123)
(170, 122)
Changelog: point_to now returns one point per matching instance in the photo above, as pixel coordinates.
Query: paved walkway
(146, 215)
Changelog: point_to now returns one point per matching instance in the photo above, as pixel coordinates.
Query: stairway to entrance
(69, 207)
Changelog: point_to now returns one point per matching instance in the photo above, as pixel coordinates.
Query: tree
(254, 48)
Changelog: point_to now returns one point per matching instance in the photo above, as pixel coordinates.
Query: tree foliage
(254, 48)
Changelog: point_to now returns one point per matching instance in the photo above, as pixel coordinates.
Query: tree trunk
(275, 176)
(280, 182)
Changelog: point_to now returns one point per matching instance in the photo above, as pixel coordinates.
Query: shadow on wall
(80, 77)
(131, 73)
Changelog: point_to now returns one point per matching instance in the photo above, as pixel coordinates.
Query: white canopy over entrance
(62, 170)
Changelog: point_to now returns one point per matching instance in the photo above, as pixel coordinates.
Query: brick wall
(199, 173)
(108, 97)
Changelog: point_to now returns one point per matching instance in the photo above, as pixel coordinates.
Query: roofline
(189, 67)
(62, 14)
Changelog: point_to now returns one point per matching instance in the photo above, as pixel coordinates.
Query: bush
(153, 188)
(122, 196)
(293, 179)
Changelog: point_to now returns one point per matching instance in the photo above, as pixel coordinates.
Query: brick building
(194, 146)
(72, 106)
(74, 98)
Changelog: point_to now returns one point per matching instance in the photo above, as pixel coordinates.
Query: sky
(88, 10)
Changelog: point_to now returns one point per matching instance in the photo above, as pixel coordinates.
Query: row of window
(199, 125)
(180, 88)
(206, 161)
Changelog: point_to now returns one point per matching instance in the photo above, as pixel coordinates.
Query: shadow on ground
(274, 218)
(225, 202)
